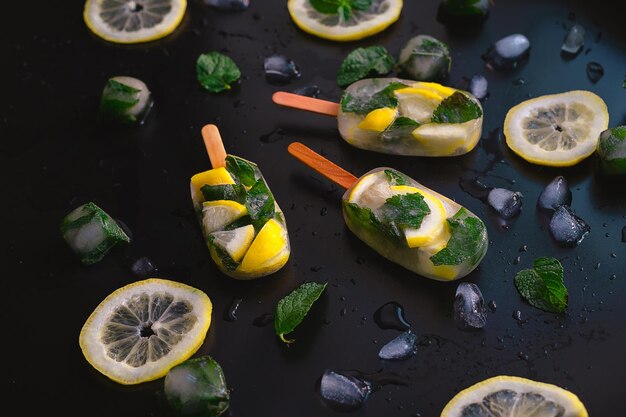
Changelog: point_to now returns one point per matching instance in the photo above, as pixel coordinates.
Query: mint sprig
(293, 308)
(216, 71)
(467, 242)
(458, 108)
(344, 8)
(363, 63)
(542, 286)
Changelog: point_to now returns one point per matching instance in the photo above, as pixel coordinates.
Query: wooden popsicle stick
(322, 165)
(311, 104)
(214, 146)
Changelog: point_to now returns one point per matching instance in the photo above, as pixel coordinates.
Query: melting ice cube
(228, 5)
(507, 52)
(574, 40)
(478, 86)
(143, 266)
(469, 309)
(343, 391)
(556, 193)
(595, 71)
(505, 202)
(399, 348)
(197, 387)
(280, 70)
(567, 228)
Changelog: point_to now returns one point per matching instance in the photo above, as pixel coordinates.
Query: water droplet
(360, 260)
(143, 266)
(230, 314)
(523, 248)
(323, 211)
(492, 306)
(263, 320)
(343, 312)
(391, 316)
(517, 260)
(595, 71)
(317, 268)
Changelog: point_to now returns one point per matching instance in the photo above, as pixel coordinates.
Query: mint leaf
(216, 71)
(405, 211)
(260, 204)
(458, 108)
(543, 285)
(341, 7)
(364, 105)
(467, 242)
(368, 220)
(117, 99)
(292, 309)
(244, 171)
(363, 63)
(233, 192)
(395, 178)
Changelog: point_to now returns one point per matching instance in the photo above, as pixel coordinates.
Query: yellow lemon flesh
(556, 130)
(361, 23)
(269, 250)
(510, 396)
(220, 213)
(433, 229)
(140, 331)
(379, 119)
(235, 242)
(217, 176)
(127, 21)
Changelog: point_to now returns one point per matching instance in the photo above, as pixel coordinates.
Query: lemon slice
(268, 253)
(371, 191)
(361, 24)
(441, 90)
(556, 130)
(433, 228)
(419, 103)
(217, 176)
(140, 331)
(443, 139)
(220, 213)
(379, 119)
(126, 21)
(235, 242)
(510, 396)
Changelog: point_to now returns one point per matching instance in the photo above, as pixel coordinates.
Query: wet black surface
(54, 156)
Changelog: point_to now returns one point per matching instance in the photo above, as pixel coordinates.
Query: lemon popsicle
(401, 117)
(406, 222)
(244, 228)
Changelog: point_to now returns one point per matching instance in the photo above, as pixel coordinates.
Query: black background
(55, 155)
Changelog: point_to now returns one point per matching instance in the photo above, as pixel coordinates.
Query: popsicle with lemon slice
(244, 228)
(404, 221)
(401, 117)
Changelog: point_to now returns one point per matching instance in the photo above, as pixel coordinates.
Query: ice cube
(143, 266)
(567, 228)
(478, 86)
(507, 52)
(197, 387)
(505, 202)
(469, 309)
(556, 193)
(91, 233)
(595, 71)
(611, 151)
(343, 391)
(574, 40)
(280, 70)
(425, 58)
(399, 348)
(228, 5)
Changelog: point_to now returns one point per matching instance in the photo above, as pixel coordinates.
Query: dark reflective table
(55, 155)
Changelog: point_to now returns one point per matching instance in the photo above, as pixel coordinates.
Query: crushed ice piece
(399, 348)
(574, 40)
(143, 266)
(343, 391)
(308, 90)
(469, 309)
(228, 5)
(478, 86)
(507, 52)
(556, 193)
(595, 71)
(280, 70)
(505, 202)
(567, 228)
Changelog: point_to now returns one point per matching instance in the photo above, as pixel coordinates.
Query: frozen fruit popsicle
(244, 228)
(404, 221)
(401, 117)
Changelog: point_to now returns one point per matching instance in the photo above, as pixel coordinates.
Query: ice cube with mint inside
(125, 100)
(425, 58)
(91, 233)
